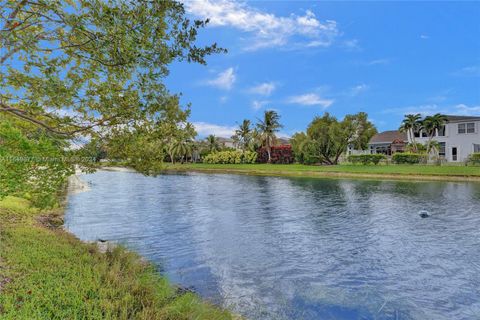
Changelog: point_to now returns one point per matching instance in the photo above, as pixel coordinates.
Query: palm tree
(212, 143)
(267, 128)
(243, 134)
(411, 124)
(181, 148)
(431, 125)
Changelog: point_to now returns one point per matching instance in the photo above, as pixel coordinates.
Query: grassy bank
(407, 172)
(46, 273)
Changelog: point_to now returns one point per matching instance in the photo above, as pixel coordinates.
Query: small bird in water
(424, 214)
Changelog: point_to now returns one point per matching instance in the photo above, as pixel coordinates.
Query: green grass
(348, 170)
(46, 273)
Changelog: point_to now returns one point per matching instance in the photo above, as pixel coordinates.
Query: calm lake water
(287, 248)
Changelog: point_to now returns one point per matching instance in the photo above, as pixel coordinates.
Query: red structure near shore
(280, 154)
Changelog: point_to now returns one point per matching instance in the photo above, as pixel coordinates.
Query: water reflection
(285, 248)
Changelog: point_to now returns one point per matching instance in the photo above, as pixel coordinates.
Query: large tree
(331, 137)
(267, 129)
(93, 66)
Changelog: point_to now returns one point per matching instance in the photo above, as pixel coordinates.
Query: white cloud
(358, 89)
(472, 71)
(468, 111)
(224, 80)
(378, 62)
(264, 89)
(430, 109)
(256, 104)
(311, 99)
(352, 44)
(424, 36)
(204, 129)
(267, 29)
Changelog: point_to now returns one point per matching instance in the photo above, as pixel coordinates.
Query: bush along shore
(47, 273)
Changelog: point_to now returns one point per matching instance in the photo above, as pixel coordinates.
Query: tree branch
(23, 115)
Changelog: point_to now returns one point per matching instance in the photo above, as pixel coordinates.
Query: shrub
(409, 158)
(279, 154)
(230, 157)
(366, 158)
(474, 159)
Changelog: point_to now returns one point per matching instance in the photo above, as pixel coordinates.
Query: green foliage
(79, 66)
(416, 148)
(329, 138)
(411, 125)
(243, 135)
(231, 157)
(267, 128)
(298, 141)
(95, 70)
(33, 168)
(366, 158)
(474, 159)
(409, 158)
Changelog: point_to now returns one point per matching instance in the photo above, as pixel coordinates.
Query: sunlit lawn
(445, 170)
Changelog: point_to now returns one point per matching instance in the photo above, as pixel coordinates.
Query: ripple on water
(286, 248)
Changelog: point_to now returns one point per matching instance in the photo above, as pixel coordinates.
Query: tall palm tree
(267, 128)
(212, 143)
(244, 134)
(431, 125)
(410, 125)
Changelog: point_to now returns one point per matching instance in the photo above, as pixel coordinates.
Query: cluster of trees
(263, 134)
(413, 124)
(327, 138)
(91, 70)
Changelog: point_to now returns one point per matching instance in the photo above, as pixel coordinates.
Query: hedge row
(474, 158)
(409, 158)
(230, 157)
(366, 158)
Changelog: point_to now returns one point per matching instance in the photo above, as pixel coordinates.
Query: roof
(451, 118)
(223, 140)
(389, 136)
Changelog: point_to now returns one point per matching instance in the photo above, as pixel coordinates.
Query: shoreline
(82, 278)
(328, 174)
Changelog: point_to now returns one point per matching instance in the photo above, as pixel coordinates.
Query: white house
(459, 138)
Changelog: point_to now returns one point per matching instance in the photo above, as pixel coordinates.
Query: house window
(441, 149)
(466, 128)
(424, 134)
(454, 154)
(476, 148)
(441, 131)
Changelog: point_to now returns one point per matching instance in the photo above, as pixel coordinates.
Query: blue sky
(303, 58)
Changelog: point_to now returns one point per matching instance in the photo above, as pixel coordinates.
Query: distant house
(226, 142)
(459, 138)
(388, 142)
